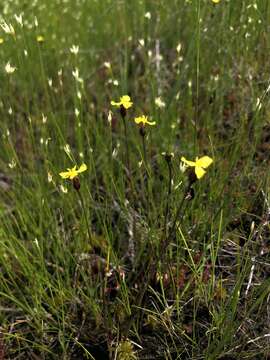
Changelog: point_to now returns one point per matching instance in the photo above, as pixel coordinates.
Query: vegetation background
(138, 263)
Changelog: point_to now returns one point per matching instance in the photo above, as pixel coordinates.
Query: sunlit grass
(143, 255)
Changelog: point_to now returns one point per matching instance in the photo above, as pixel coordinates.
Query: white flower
(141, 42)
(147, 15)
(8, 28)
(76, 75)
(12, 164)
(178, 47)
(19, 20)
(107, 65)
(9, 69)
(159, 103)
(110, 117)
(77, 112)
(50, 177)
(74, 49)
(63, 189)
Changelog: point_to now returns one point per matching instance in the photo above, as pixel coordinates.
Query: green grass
(130, 267)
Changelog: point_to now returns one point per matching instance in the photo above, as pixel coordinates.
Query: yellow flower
(124, 101)
(144, 120)
(199, 164)
(215, 1)
(1, 40)
(40, 38)
(72, 173)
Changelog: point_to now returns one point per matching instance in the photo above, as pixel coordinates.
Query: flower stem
(85, 216)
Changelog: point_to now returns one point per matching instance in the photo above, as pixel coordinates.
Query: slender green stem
(85, 216)
(126, 145)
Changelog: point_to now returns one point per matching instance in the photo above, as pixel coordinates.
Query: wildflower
(143, 120)
(124, 101)
(107, 65)
(215, 1)
(159, 102)
(9, 69)
(8, 28)
(200, 164)
(1, 40)
(74, 49)
(40, 38)
(19, 19)
(72, 173)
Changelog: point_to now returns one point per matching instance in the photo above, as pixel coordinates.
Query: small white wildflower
(19, 19)
(150, 53)
(41, 140)
(25, 52)
(10, 111)
(77, 112)
(36, 21)
(114, 153)
(141, 42)
(9, 68)
(115, 82)
(109, 117)
(76, 75)
(12, 164)
(159, 102)
(50, 82)
(67, 149)
(74, 49)
(147, 15)
(179, 47)
(140, 164)
(107, 65)
(44, 118)
(50, 177)
(8, 28)
(81, 155)
(63, 189)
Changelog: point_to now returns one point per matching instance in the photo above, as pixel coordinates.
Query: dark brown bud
(123, 111)
(76, 183)
(192, 178)
(142, 131)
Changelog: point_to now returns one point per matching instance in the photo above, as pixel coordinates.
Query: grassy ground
(143, 261)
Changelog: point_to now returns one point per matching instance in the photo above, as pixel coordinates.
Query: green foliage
(136, 258)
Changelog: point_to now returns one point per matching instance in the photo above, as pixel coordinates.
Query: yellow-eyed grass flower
(72, 174)
(200, 165)
(124, 104)
(125, 101)
(143, 120)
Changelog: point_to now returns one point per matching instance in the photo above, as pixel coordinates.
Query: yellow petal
(151, 123)
(125, 98)
(189, 163)
(138, 120)
(82, 168)
(127, 105)
(64, 174)
(199, 172)
(204, 162)
(115, 103)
